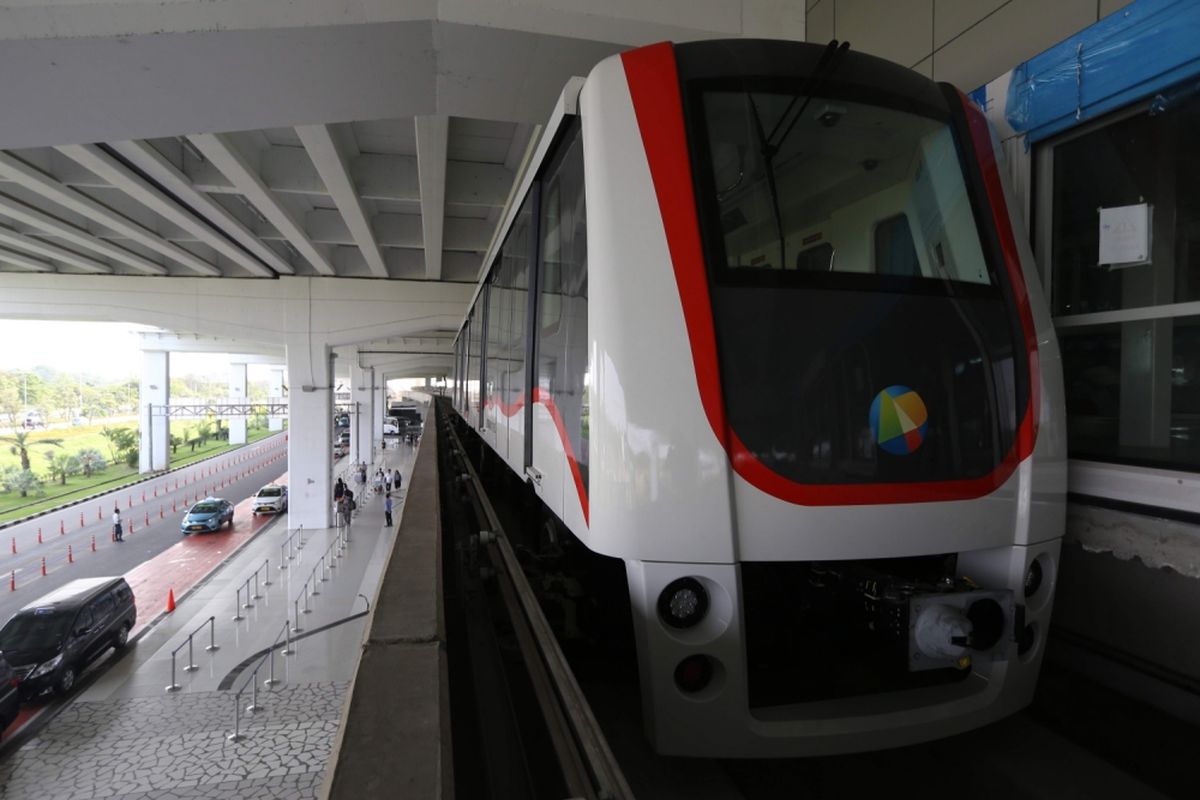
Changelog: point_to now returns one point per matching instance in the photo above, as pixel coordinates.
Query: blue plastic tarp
(1137, 52)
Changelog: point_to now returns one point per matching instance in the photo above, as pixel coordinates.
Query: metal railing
(211, 622)
(238, 604)
(287, 550)
(251, 683)
(326, 563)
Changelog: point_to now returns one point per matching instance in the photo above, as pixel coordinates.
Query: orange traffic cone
(170, 600)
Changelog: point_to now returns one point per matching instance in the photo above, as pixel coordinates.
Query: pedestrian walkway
(126, 736)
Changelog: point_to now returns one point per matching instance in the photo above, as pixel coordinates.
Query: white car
(390, 427)
(271, 499)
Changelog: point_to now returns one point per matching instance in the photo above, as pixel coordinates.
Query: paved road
(234, 476)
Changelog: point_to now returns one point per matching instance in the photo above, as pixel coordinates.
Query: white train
(763, 323)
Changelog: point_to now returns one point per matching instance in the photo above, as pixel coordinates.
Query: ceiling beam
(288, 170)
(64, 230)
(220, 150)
(151, 162)
(36, 181)
(43, 248)
(391, 230)
(332, 160)
(122, 177)
(22, 260)
(433, 134)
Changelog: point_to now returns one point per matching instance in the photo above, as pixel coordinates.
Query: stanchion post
(191, 665)
(271, 680)
(212, 635)
(254, 706)
(267, 573)
(237, 605)
(236, 736)
(174, 687)
(296, 615)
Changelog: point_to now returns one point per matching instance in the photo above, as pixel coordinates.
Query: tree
(120, 441)
(90, 460)
(62, 466)
(10, 397)
(204, 431)
(20, 445)
(19, 480)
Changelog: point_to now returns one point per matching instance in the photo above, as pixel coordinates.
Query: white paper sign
(1125, 235)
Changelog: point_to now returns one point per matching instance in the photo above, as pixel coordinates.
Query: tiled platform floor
(176, 746)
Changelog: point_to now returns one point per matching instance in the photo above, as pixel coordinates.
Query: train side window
(562, 325)
(895, 253)
(816, 259)
(497, 346)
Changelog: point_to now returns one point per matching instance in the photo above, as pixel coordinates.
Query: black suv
(50, 641)
(9, 699)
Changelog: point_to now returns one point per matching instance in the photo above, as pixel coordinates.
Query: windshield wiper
(770, 148)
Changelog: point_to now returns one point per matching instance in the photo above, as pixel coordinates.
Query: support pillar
(154, 447)
(237, 394)
(310, 433)
(379, 401)
(362, 396)
(276, 396)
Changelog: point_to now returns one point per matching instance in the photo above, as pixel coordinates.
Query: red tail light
(694, 673)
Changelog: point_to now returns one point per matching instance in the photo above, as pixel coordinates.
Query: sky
(107, 350)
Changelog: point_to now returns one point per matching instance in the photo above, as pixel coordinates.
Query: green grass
(13, 506)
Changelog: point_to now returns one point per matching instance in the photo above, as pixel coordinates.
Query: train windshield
(863, 334)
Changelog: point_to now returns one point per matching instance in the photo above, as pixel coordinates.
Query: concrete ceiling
(413, 198)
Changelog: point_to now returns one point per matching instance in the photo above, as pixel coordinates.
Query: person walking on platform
(339, 489)
(387, 509)
(396, 480)
(350, 504)
(118, 532)
(342, 514)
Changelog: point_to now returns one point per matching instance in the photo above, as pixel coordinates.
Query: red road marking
(183, 565)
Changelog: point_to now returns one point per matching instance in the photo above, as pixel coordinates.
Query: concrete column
(379, 404)
(362, 437)
(237, 394)
(276, 396)
(154, 448)
(310, 433)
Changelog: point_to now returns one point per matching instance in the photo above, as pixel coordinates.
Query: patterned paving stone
(175, 747)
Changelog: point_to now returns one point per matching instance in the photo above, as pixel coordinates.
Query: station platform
(124, 735)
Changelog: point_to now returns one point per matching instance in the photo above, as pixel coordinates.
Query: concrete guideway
(123, 734)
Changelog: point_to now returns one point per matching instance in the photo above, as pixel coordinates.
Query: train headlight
(694, 673)
(1033, 578)
(683, 603)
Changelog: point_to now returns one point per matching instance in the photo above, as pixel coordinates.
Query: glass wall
(1120, 228)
